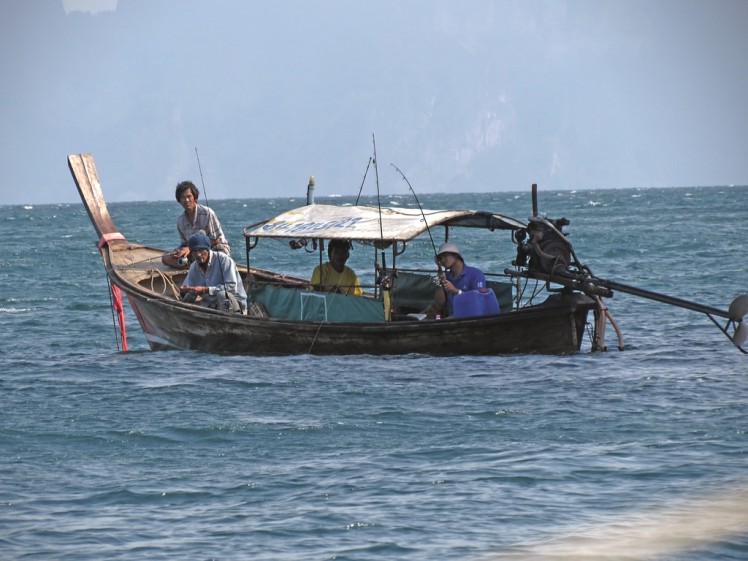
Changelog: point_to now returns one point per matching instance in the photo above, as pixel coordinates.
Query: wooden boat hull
(554, 328)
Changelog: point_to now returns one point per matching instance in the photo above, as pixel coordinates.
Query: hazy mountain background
(469, 95)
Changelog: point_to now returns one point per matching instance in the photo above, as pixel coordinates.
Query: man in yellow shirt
(334, 276)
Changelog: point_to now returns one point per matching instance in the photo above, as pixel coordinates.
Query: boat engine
(547, 250)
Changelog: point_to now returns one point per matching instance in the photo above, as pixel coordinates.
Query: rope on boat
(335, 294)
(168, 282)
(314, 340)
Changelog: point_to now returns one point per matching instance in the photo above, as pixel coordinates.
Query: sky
(461, 95)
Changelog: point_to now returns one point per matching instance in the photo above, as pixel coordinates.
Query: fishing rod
(202, 181)
(428, 229)
(220, 267)
(433, 245)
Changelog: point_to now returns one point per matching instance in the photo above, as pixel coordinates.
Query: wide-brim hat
(449, 248)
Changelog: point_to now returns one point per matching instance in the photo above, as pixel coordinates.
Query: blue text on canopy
(294, 228)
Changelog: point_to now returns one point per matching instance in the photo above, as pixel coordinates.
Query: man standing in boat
(195, 218)
(213, 278)
(459, 278)
(335, 276)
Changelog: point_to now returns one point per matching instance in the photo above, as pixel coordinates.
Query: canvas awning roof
(363, 222)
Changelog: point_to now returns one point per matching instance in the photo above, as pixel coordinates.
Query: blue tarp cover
(305, 305)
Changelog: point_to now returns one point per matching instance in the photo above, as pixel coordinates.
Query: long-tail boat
(287, 316)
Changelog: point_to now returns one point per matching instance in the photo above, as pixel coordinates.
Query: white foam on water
(651, 534)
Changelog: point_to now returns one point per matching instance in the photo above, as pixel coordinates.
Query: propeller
(738, 308)
(740, 335)
(735, 313)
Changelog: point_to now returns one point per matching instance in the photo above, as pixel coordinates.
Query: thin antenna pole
(379, 205)
(366, 171)
(381, 229)
(379, 202)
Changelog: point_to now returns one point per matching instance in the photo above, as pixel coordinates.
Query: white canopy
(371, 223)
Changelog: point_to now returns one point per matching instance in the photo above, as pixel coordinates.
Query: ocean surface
(633, 455)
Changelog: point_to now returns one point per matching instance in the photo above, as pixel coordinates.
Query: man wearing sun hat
(459, 278)
(213, 280)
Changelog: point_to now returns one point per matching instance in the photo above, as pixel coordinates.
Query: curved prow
(87, 180)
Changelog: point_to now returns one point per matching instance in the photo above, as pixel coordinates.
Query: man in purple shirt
(459, 277)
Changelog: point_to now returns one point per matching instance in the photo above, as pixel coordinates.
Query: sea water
(638, 455)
